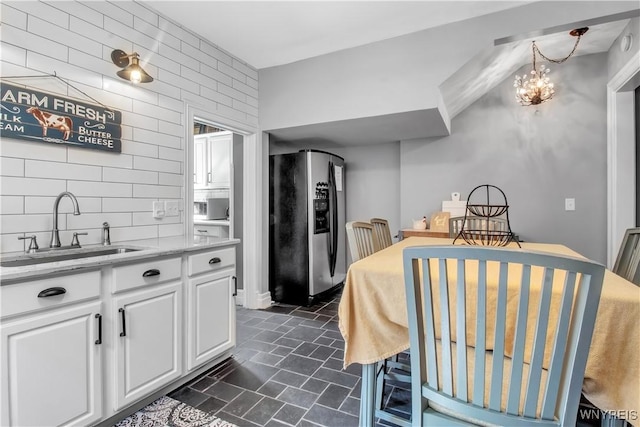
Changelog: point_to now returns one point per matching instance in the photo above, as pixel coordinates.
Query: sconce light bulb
(136, 77)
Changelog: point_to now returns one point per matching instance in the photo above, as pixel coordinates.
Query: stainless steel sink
(63, 255)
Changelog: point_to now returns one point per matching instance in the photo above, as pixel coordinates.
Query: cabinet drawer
(146, 273)
(23, 297)
(207, 230)
(211, 261)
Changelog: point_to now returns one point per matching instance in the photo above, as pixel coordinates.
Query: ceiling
(269, 33)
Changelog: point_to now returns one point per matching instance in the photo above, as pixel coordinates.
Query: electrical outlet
(158, 209)
(173, 208)
(570, 204)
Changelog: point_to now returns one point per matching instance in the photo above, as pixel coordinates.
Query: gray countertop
(148, 248)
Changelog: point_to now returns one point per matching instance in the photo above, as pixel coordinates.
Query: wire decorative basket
(487, 224)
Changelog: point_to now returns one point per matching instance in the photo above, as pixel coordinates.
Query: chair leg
(381, 370)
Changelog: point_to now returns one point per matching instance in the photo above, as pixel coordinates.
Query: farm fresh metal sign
(44, 117)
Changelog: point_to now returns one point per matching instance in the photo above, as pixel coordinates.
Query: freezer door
(319, 231)
(340, 270)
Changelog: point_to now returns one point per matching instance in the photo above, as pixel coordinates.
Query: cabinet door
(51, 368)
(147, 337)
(200, 163)
(211, 318)
(219, 147)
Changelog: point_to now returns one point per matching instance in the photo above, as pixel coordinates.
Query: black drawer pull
(152, 272)
(215, 260)
(235, 286)
(52, 292)
(124, 325)
(99, 317)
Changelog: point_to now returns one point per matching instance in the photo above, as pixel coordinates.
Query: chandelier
(539, 88)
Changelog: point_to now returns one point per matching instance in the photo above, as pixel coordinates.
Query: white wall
(75, 40)
(537, 155)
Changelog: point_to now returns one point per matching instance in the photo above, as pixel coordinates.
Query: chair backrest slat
(481, 330)
(538, 312)
(362, 240)
(382, 231)
(627, 262)
(517, 361)
(495, 397)
(461, 332)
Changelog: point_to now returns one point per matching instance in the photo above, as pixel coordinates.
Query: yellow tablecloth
(373, 322)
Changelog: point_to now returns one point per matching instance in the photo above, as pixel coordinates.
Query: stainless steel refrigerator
(307, 253)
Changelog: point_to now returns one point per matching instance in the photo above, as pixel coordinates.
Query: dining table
(373, 322)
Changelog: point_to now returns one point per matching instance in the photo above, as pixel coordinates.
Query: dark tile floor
(286, 371)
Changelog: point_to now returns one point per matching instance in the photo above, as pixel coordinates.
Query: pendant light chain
(555, 61)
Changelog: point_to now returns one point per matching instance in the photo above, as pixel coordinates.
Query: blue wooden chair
(463, 301)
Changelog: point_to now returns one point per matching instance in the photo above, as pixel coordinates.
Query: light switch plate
(158, 209)
(173, 208)
(570, 204)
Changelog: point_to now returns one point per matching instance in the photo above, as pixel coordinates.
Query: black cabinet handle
(235, 286)
(215, 260)
(124, 324)
(99, 317)
(152, 272)
(52, 292)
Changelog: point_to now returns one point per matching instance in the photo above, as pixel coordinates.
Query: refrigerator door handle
(333, 221)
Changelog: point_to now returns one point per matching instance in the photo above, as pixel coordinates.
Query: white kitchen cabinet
(211, 230)
(212, 160)
(211, 306)
(52, 352)
(147, 331)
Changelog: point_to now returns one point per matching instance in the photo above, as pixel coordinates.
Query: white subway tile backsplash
(32, 42)
(44, 204)
(99, 158)
(156, 191)
(160, 165)
(122, 234)
(80, 12)
(10, 242)
(32, 150)
(146, 218)
(139, 149)
(159, 113)
(216, 75)
(99, 189)
(244, 88)
(162, 139)
(50, 31)
(231, 72)
(129, 175)
(217, 53)
(170, 179)
(177, 80)
(168, 230)
(244, 68)
(12, 16)
(29, 223)
(75, 39)
(171, 129)
(10, 166)
(95, 220)
(11, 205)
(111, 11)
(233, 93)
(216, 96)
(44, 169)
(171, 154)
(122, 204)
(43, 11)
(13, 54)
(15, 186)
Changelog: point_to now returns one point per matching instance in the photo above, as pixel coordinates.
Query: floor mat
(169, 412)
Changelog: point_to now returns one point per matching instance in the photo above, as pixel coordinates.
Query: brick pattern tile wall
(75, 40)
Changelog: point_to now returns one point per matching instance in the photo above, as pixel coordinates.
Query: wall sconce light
(131, 70)
(538, 88)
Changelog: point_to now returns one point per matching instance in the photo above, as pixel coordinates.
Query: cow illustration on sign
(49, 120)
